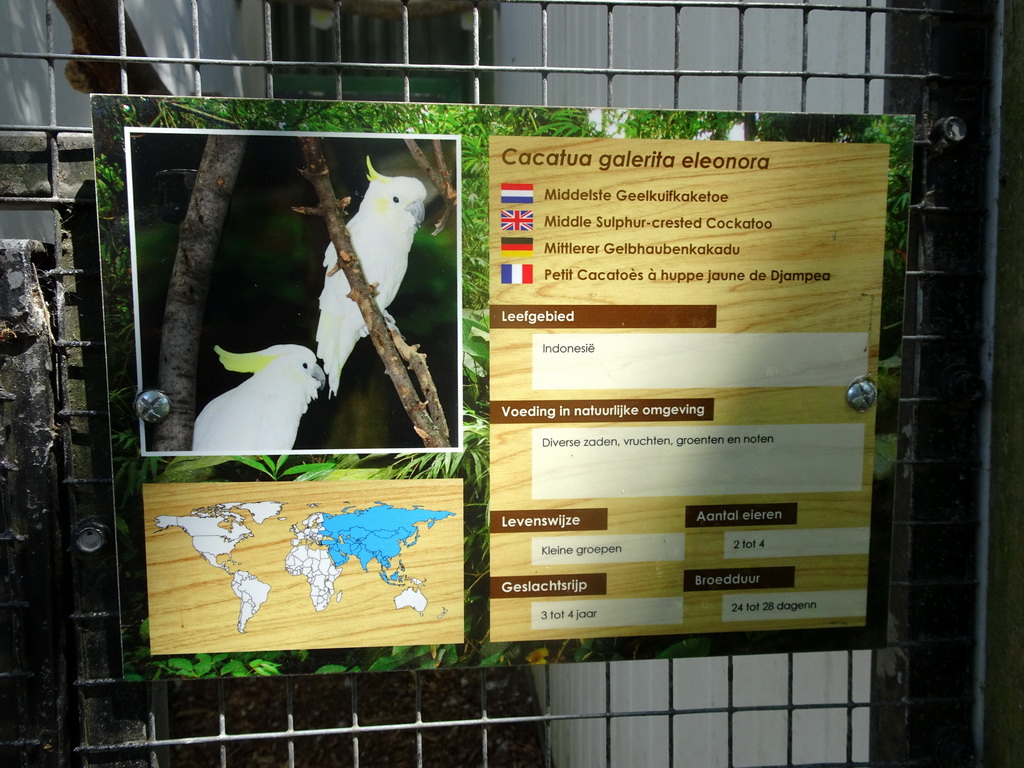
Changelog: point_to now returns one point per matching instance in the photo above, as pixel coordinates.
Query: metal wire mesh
(911, 702)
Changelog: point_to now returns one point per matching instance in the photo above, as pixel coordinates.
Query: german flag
(517, 246)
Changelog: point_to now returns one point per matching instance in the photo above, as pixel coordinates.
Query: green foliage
(471, 464)
(898, 133)
(885, 456)
(191, 469)
(139, 665)
(266, 465)
(476, 336)
(194, 469)
(204, 665)
(131, 471)
(644, 124)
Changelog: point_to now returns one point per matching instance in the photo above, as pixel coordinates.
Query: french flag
(516, 274)
(517, 193)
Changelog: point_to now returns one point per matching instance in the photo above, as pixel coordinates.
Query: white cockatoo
(260, 415)
(381, 233)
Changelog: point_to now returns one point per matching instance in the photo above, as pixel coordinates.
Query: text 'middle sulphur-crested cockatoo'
(381, 233)
(260, 415)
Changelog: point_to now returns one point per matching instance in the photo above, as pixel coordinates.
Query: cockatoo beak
(320, 376)
(417, 211)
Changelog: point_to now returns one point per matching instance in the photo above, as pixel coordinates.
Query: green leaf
(204, 663)
(235, 668)
(894, 361)
(299, 469)
(250, 462)
(387, 663)
(265, 668)
(330, 669)
(181, 666)
(185, 469)
(885, 455)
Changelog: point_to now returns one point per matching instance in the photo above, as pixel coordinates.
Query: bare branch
(417, 363)
(94, 31)
(441, 179)
(316, 173)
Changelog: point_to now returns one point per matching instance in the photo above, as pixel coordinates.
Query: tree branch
(190, 283)
(441, 179)
(316, 173)
(94, 31)
(417, 363)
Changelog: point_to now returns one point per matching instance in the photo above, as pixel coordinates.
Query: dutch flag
(516, 273)
(517, 193)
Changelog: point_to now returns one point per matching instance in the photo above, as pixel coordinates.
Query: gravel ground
(327, 701)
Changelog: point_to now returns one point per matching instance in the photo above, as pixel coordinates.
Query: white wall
(645, 39)
(836, 711)
(166, 32)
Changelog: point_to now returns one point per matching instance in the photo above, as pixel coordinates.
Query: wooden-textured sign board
(640, 329)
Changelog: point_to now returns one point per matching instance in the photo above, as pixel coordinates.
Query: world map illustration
(323, 549)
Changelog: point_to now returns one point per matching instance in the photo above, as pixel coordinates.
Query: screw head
(961, 386)
(954, 129)
(152, 406)
(90, 537)
(90, 540)
(861, 395)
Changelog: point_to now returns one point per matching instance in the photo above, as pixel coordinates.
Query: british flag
(516, 221)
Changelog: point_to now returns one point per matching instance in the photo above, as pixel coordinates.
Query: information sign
(409, 386)
(673, 330)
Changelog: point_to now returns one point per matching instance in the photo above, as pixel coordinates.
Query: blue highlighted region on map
(325, 542)
(377, 533)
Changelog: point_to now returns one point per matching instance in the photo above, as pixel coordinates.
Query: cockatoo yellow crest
(382, 231)
(260, 415)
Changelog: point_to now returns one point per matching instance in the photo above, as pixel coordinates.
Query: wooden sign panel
(490, 385)
(674, 349)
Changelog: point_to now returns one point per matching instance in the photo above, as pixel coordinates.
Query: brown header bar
(530, 520)
(724, 515)
(577, 411)
(555, 585)
(604, 316)
(707, 579)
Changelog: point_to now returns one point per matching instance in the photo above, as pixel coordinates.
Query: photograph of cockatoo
(260, 415)
(267, 285)
(382, 232)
